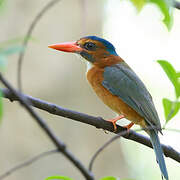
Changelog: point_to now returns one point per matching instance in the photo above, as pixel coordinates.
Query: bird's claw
(114, 120)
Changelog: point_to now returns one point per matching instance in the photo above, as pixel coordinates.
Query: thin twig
(110, 141)
(27, 37)
(57, 142)
(31, 28)
(97, 122)
(104, 146)
(27, 163)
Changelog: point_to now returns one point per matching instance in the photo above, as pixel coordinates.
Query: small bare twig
(27, 37)
(27, 163)
(30, 30)
(94, 121)
(105, 145)
(110, 141)
(24, 101)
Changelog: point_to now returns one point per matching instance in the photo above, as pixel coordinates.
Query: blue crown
(107, 44)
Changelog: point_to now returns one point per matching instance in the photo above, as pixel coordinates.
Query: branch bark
(26, 103)
(97, 122)
(28, 35)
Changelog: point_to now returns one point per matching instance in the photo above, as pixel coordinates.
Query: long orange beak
(67, 47)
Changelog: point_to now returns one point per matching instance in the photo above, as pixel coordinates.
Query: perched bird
(117, 85)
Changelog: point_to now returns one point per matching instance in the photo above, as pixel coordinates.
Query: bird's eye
(90, 46)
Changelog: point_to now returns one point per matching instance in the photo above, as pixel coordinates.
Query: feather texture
(159, 153)
(118, 87)
(122, 82)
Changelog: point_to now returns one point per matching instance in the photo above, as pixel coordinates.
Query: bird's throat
(88, 66)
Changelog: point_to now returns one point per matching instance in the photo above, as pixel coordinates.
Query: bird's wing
(121, 81)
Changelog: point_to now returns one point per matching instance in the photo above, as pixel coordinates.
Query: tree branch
(28, 35)
(177, 4)
(25, 102)
(98, 122)
(28, 162)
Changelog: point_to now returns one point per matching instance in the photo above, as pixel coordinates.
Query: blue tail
(159, 153)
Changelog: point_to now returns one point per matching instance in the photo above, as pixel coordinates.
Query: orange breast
(95, 78)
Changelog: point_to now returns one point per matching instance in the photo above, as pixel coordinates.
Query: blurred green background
(59, 78)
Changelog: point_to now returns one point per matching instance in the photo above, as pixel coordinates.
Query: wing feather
(121, 81)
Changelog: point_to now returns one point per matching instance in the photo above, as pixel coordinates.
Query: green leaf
(2, 4)
(109, 178)
(1, 105)
(7, 52)
(171, 108)
(170, 71)
(16, 40)
(172, 75)
(3, 62)
(178, 74)
(11, 50)
(58, 177)
(139, 4)
(166, 7)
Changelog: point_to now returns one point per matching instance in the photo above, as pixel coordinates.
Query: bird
(118, 86)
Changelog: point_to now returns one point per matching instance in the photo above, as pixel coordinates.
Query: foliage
(7, 49)
(14, 41)
(58, 177)
(2, 5)
(109, 178)
(67, 178)
(172, 75)
(165, 6)
(171, 108)
(139, 4)
(6, 52)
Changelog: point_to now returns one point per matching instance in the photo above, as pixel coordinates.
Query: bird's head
(96, 50)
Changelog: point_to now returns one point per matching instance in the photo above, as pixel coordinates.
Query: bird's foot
(114, 120)
(128, 127)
